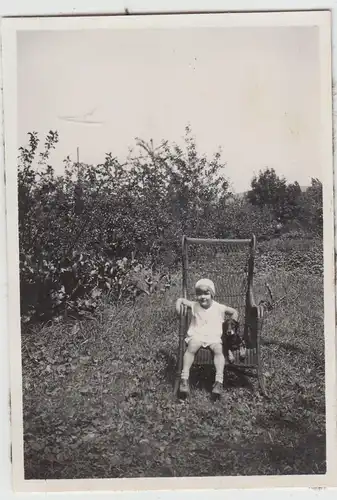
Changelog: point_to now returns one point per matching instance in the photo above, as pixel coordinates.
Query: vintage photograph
(169, 196)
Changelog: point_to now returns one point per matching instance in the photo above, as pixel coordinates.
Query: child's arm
(180, 301)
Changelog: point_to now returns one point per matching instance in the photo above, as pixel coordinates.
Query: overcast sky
(252, 91)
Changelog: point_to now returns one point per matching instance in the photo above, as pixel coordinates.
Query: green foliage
(268, 190)
(311, 213)
(239, 219)
(286, 201)
(75, 227)
(296, 254)
(94, 236)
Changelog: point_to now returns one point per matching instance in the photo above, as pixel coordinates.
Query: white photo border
(322, 20)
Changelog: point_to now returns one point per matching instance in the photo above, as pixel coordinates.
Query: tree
(240, 219)
(311, 210)
(268, 190)
(76, 227)
(180, 187)
(292, 202)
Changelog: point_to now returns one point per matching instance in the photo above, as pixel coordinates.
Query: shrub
(77, 227)
(239, 219)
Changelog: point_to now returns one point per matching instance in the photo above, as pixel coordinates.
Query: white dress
(206, 324)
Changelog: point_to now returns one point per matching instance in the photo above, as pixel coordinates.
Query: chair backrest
(228, 263)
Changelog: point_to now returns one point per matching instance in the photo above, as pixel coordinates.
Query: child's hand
(180, 302)
(232, 313)
(178, 305)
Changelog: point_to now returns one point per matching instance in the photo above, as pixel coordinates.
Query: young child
(205, 331)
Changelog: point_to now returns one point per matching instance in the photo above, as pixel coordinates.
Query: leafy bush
(76, 227)
(300, 255)
(288, 204)
(239, 219)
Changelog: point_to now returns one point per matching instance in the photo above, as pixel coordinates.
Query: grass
(98, 399)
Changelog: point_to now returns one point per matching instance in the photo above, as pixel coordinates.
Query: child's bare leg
(219, 362)
(192, 347)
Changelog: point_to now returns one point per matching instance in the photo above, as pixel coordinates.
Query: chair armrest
(182, 321)
(183, 311)
(251, 299)
(182, 335)
(254, 311)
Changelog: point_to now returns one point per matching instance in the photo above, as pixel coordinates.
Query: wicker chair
(230, 265)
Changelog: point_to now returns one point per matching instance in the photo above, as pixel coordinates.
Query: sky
(254, 92)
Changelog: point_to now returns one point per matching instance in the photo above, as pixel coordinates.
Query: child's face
(204, 297)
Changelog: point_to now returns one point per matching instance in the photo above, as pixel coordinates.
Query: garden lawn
(98, 400)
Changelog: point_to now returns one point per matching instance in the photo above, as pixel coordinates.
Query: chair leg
(176, 385)
(262, 383)
(177, 377)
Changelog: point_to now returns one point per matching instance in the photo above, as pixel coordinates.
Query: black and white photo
(170, 250)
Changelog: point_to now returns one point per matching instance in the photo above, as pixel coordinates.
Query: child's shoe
(217, 389)
(184, 387)
(231, 358)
